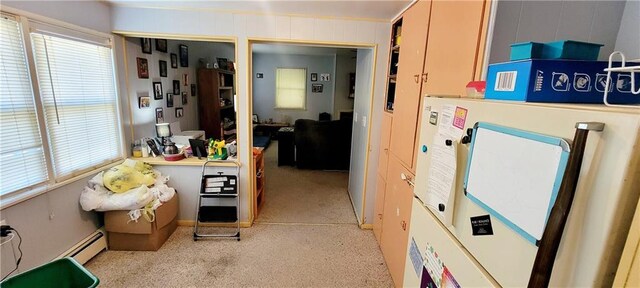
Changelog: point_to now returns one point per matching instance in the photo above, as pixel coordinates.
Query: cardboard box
(127, 235)
(558, 81)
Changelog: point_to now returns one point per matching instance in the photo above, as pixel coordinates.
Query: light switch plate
(364, 121)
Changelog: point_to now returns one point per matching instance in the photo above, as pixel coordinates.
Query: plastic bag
(124, 177)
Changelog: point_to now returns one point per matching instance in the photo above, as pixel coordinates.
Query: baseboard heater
(88, 247)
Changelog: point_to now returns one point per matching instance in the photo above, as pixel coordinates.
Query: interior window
(291, 88)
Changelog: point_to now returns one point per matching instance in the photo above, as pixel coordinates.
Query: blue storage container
(526, 50)
(568, 49)
(559, 81)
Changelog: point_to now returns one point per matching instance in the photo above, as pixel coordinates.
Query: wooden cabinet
(260, 181)
(216, 103)
(378, 211)
(385, 137)
(453, 46)
(396, 218)
(408, 83)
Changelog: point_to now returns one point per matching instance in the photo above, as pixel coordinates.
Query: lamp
(163, 131)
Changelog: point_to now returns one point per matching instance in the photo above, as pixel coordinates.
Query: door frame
(360, 215)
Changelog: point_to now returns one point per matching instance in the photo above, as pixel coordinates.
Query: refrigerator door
(434, 244)
(602, 208)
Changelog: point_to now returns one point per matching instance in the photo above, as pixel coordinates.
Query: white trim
(55, 22)
(489, 39)
(403, 10)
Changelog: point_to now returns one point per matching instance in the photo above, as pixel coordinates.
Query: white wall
(545, 21)
(628, 40)
(144, 119)
(264, 89)
(53, 222)
(345, 64)
(242, 26)
(360, 131)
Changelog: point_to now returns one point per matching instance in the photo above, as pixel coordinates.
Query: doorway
(310, 107)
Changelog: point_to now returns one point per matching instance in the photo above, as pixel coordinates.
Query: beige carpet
(304, 196)
(314, 252)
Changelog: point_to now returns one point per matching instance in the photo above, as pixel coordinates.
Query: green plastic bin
(65, 272)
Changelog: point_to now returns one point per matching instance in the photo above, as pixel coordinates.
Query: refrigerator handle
(550, 242)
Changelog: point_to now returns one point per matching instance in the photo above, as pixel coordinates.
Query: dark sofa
(323, 145)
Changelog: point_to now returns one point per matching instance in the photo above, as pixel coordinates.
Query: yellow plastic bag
(129, 175)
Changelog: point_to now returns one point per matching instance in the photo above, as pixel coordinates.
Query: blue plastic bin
(526, 50)
(574, 50)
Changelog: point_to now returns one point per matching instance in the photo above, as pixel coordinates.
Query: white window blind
(291, 88)
(21, 152)
(78, 92)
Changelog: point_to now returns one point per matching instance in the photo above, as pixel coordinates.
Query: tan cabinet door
(379, 207)
(453, 46)
(395, 220)
(385, 132)
(415, 23)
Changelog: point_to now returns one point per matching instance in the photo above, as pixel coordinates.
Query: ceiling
(365, 9)
(291, 49)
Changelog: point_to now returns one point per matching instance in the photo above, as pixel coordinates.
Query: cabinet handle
(417, 78)
(407, 179)
(380, 216)
(425, 76)
(386, 150)
(403, 224)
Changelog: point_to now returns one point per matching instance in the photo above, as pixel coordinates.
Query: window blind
(21, 153)
(78, 93)
(291, 88)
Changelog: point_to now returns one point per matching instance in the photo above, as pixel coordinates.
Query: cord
(19, 258)
(7, 241)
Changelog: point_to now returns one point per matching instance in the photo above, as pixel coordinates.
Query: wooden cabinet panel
(383, 156)
(379, 207)
(396, 219)
(410, 67)
(453, 46)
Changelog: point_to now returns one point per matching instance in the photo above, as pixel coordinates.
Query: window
(21, 151)
(79, 99)
(60, 119)
(291, 88)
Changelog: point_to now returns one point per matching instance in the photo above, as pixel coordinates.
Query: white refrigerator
(443, 250)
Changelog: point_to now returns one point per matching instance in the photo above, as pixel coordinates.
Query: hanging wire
(53, 90)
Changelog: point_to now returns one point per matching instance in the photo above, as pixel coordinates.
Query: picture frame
(144, 102)
(161, 45)
(145, 43)
(184, 98)
(162, 65)
(325, 77)
(259, 75)
(179, 112)
(184, 55)
(314, 77)
(143, 68)
(223, 63)
(176, 87)
(255, 118)
(185, 79)
(157, 90)
(174, 60)
(193, 90)
(169, 100)
(159, 115)
(317, 88)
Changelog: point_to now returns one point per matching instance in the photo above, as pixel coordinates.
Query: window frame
(25, 21)
(304, 108)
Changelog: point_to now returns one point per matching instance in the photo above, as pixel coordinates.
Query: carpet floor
(305, 236)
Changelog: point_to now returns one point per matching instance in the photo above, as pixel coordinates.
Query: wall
(545, 21)
(359, 134)
(345, 64)
(243, 26)
(628, 40)
(264, 89)
(144, 119)
(53, 222)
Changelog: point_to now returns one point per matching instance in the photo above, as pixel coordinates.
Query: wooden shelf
(225, 88)
(226, 107)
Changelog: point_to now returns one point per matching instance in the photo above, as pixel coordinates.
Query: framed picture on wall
(184, 98)
(163, 68)
(185, 79)
(325, 77)
(314, 77)
(179, 112)
(146, 45)
(184, 55)
(193, 90)
(176, 87)
(157, 90)
(161, 45)
(169, 100)
(174, 60)
(144, 102)
(159, 115)
(316, 88)
(143, 68)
